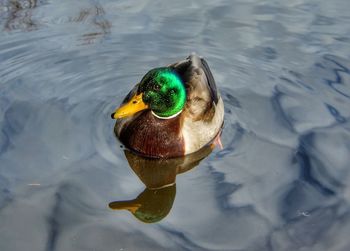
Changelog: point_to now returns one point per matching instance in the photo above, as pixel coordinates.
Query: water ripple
(281, 182)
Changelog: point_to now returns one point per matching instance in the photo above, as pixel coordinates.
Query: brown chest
(154, 137)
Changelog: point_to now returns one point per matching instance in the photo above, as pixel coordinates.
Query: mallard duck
(174, 111)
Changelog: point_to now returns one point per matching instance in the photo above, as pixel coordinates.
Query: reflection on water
(18, 14)
(101, 25)
(159, 176)
(281, 183)
(151, 206)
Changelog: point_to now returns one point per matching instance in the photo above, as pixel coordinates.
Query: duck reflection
(159, 176)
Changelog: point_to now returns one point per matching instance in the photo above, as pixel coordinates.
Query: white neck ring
(170, 117)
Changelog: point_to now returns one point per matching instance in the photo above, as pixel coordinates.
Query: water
(280, 183)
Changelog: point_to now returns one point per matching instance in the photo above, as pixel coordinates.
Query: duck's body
(196, 124)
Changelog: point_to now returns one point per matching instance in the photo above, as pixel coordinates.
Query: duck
(173, 111)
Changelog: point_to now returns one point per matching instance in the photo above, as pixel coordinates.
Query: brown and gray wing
(190, 67)
(211, 82)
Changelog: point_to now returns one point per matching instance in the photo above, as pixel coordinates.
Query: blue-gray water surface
(282, 180)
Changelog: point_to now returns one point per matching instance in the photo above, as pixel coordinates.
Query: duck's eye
(156, 87)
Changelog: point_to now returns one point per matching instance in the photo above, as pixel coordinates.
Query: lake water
(282, 181)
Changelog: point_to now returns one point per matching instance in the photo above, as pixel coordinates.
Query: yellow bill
(135, 105)
(125, 205)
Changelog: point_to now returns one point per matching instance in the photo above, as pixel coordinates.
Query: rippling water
(280, 183)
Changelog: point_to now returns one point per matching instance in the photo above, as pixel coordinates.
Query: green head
(163, 91)
(160, 90)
